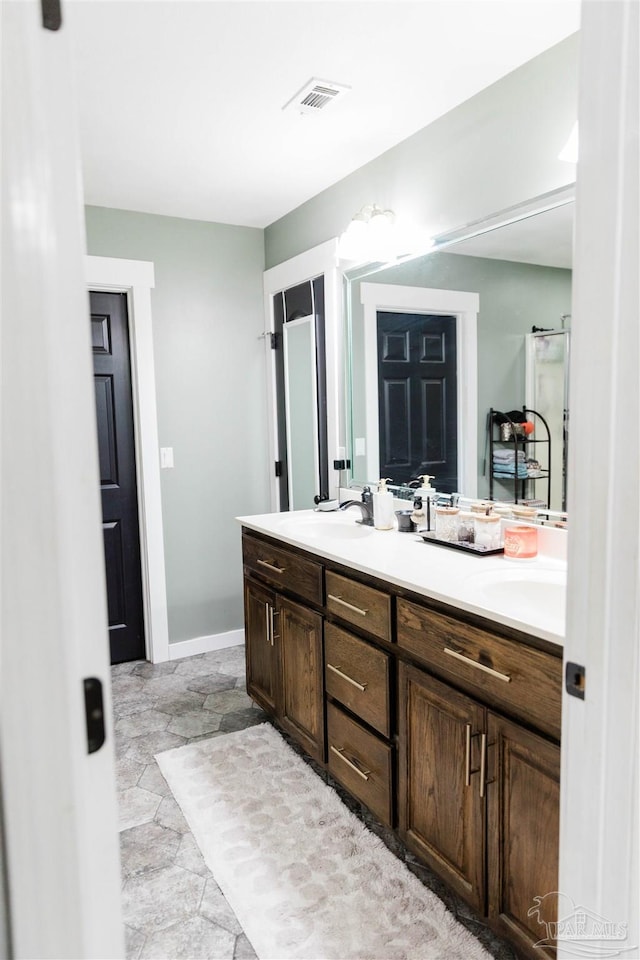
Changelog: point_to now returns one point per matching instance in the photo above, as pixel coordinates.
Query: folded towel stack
(509, 463)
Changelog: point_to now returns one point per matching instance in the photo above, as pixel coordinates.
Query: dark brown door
(441, 814)
(302, 681)
(260, 645)
(417, 397)
(524, 809)
(116, 447)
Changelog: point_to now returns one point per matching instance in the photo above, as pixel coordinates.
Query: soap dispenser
(428, 494)
(383, 506)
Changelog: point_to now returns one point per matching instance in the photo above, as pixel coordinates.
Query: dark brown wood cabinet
(523, 802)
(479, 798)
(440, 812)
(260, 645)
(472, 715)
(301, 674)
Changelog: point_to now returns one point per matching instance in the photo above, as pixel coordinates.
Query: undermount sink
(327, 526)
(539, 593)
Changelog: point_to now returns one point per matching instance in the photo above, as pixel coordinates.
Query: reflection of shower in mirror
(547, 391)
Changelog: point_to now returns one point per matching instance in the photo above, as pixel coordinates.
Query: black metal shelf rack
(495, 421)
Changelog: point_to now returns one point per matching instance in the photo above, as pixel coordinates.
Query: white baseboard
(216, 641)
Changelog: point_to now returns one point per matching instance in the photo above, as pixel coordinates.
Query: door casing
(136, 279)
(464, 306)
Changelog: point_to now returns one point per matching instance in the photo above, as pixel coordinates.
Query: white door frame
(136, 279)
(59, 802)
(600, 801)
(322, 259)
(394, 298)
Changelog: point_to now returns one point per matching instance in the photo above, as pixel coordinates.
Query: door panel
(302, 675)
(441, 816)
(116, 449)
(417, 390)
(260, 646)
(524, 810)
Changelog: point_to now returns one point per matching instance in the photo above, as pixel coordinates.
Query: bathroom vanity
(429, 684)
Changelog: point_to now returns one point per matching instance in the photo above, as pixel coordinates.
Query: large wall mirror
(434, 341)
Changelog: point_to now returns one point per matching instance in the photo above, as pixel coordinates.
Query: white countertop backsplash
(494, 587)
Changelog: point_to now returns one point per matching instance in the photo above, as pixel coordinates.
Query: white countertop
(528, 595)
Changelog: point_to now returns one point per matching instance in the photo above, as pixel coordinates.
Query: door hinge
(94, 713)
(278, 466)
(275, 341)
(51, 14)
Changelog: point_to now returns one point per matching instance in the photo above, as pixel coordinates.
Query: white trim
(322, 259)
(136, 279)
(215, 641)
(464, 306)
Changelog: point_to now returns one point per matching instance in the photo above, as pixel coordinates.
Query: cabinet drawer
(508, 675)
(360, 762)
(283, 568)
(357, 675)
(358, 604)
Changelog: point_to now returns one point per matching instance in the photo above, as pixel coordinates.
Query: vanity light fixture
(569, 152)
(371, 235)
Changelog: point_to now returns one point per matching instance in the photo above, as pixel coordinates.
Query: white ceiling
(180, 100)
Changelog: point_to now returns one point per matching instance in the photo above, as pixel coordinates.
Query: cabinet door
(301, 675)
(523, 834)
(260, 646)
(441, 814)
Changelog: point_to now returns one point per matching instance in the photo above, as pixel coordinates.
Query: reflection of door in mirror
(301, 394)
(547, 384)
(301, 411)
(417, 396)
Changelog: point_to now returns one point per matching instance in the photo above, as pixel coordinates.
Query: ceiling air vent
(316, 95)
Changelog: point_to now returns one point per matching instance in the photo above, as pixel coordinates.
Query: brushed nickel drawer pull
(271, 630)
(268, 621)
(271, 566)
(339, 752)
(467, 756)
(483, 763)
(344, 603)
(478, 666)
(361, 686)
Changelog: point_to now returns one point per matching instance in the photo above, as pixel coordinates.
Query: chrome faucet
(365, 505)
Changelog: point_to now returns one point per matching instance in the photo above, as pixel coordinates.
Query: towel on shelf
(522, 473)
(508, 456)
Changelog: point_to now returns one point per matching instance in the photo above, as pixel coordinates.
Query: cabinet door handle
(268, 621)
(274, 613)
(478, 666)
(483, 763)
(344, 603)
(467, 756)
(271, 566)
(339, 752)
(361, 686)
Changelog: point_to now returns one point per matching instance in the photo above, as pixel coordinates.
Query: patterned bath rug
(306, 879)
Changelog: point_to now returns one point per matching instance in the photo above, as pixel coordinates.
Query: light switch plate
(166, 458)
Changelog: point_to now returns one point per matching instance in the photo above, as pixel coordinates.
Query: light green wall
(497, 149)
(210, 384)
(513, 298)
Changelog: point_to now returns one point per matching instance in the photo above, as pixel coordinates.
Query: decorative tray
(476, 549)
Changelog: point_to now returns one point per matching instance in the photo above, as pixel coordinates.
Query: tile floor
(173, 907)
